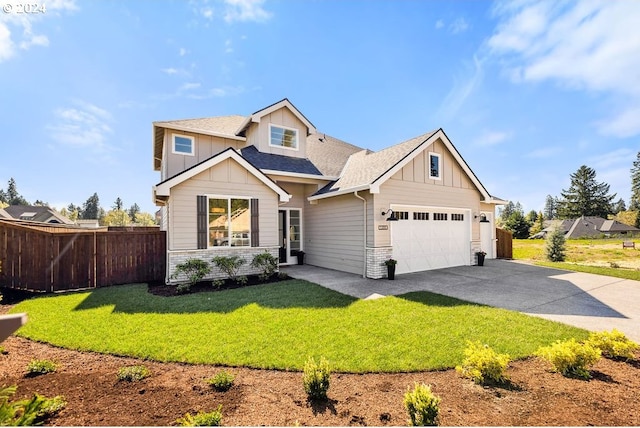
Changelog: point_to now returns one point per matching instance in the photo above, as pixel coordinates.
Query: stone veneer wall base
(175, 257)
(376, 269)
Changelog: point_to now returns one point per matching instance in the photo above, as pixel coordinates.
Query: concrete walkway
(593, 302)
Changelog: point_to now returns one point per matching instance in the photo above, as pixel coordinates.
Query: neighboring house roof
(271, 162)
(38, 213)
(369, 170)
(163, 188)
(588, 226)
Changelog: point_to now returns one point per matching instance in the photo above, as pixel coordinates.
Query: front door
(290, 234)
(282, 233)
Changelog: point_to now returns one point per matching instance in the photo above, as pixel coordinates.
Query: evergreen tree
(133, 211)
(618, 206)
(117, 205)
(634, 203)
(555, 246)
(13, 197)
(585, 196)
(538, 224)
(91, 208)
(518, 225)
(506, 211)
(532, 216)
(550, 208)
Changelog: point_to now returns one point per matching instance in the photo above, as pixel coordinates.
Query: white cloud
(544, 153)
(625, 124)
(189, 86)
(228, 46)
(182, 52)
(492, 138)
(461, 90)
(460, 25)
(25, 37)
(83, 126)
(439, 24)
(246, 10)
(586, 45)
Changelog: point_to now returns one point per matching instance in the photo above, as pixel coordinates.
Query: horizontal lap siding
(225, 179)
(334, 234)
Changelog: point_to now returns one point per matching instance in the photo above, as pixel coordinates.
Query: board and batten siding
(258, 133)
(228, 178)
(334, 234)
(205, 146)
(412, 186)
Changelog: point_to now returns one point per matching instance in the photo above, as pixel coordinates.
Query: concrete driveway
(593, 302)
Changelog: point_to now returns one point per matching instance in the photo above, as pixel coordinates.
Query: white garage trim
(439, 239)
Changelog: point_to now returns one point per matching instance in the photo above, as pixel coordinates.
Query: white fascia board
(339, 192)
(198, 131)
(442, 136)
(164, 189)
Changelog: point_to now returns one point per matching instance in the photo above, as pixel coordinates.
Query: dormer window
(183, 145)
(280, 136)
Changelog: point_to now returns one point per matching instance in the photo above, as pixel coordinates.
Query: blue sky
(528, 91)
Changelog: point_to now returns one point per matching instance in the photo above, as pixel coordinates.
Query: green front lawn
(279, 325)
(599, 256)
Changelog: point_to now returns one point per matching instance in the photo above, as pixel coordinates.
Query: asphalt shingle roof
(279, 162)
(224, 125)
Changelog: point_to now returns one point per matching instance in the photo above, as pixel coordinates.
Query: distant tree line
(584, 197)
(89, 210)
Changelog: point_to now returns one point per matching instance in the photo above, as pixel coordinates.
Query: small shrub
(40, 367)
(222, 381)
(3, 350)
(555, 246)
(422, 405)
(316, 378)
(217, 283)
(194, 270)
(202, 419)
(51, 407)
(614, 265)
(483, 364)
(230, 265)
(267, 264)
(570, 357)
(133, 373)
(29, 412)
(613, 344)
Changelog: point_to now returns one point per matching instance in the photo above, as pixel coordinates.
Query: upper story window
(283, 137)
(434, 166)
(183, 145)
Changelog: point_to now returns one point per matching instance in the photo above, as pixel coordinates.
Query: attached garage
(426, 238)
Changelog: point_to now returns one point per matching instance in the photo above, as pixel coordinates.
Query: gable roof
(163, 188)
(588, 226)
(328, 153)
(256, 116)
(369, 170)
(38, 213)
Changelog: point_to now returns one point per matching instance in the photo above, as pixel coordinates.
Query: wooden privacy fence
(54, 258)
(504, 248)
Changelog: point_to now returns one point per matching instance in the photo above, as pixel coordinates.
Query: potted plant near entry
(391, 268)
(300, 255)
(480, 254)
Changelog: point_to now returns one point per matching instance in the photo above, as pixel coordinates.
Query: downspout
(364, 237)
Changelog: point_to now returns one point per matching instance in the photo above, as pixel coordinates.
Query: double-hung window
(229, 222)
(434, 166)
(280, 136)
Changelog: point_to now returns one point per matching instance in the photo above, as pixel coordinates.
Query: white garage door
(430, 238)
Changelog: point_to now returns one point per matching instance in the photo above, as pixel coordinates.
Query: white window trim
(173, 144)
(228, 198)
(271, 125)
(439, 176)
